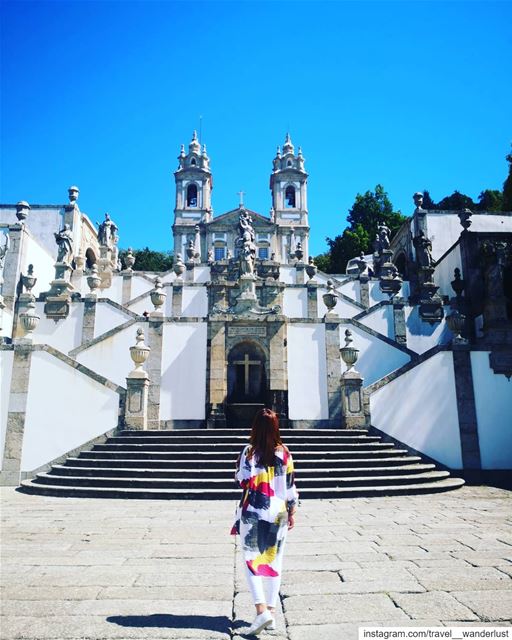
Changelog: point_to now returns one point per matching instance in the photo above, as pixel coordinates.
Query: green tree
(428, 203)
(490, 200)
(456, 202)
(507, 187)
(148, 260)
(368, 211)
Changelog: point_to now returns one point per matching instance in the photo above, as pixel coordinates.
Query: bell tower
(193, 194)
(288, 183)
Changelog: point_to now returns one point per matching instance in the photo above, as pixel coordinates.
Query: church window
(193, 162)
(289, 197)
(220, 253)
(289, 163)
(263, 253)
(192, 195)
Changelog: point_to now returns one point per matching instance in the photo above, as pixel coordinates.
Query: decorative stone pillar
(16, 414)
(14, 257)
(58, 298)
(154, 366)
(137, 387)
(353, 414)
(364, 291)
(77, 274)
(312, 289)
(126, 294)
(217, 375)
(332, 349)
(177, 299)
(27, 319)
(400, 330)
(466, 408)
(278, 379)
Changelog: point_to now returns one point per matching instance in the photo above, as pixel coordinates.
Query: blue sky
(411, 95)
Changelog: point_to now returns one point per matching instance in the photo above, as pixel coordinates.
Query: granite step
(235, 447)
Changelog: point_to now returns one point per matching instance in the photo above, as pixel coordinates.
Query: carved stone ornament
(158, 295)
(22, 210)
(73, 192)
(28, 281)
(465, 218)
(93, 279)
(349, 354)
(330, 298)
(179, 266)
(129, 260)
(139, 352)
(311, 268)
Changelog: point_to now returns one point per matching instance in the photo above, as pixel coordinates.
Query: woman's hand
(291, 520)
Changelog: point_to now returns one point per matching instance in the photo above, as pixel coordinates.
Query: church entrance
(247, 383)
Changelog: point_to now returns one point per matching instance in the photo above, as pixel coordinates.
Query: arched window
(289, 163)
(90, 258)
(193, 162)
(289, 197)
(192, 195)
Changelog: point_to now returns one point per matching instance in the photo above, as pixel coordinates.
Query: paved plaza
(99, 568)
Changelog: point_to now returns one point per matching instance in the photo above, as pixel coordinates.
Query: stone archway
(247, 383)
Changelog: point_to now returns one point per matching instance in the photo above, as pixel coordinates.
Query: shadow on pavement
(169, 620)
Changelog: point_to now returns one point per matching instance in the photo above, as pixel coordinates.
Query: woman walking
(266, 511)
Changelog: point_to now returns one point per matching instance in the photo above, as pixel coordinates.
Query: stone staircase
(196, 463)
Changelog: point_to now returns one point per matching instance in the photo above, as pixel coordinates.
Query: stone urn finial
(418, 200)
(158, 295)
(73, 192)
(139, 352)
(179, 266)
(129, 259)
(465, 218)
(299, 253)
(29, 319)
(29, 280)
(93, 279)
(22, 210)
(311, 268)
(349, 354)
(330, 298)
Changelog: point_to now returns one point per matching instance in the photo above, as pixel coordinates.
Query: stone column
(364, 291)
(89, 318)
(351, 384)
(217, 379)
(299, 270)
(312, 288)
(466, 409)
(332, 349)
(77, 274)
(137, 387)
(278, 367)
(177, 298)
(154, 366)
(126, 294)
(16, 413)
(13, 260)
(399, 321)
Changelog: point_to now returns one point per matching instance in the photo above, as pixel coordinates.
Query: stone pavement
(128, 569)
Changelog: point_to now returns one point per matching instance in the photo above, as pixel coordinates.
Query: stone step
(285, 433)
(229, 462)
(239, 441)
(297, 448)
(32, 486)
(227, 474)
(215, 484)
(231, 456)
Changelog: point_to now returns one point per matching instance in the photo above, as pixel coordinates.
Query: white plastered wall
(376, 357)
(287, 274)
(139, 286)
(107, 317)
(194, 302)
(183, 383)
(65, 334)
(6, 360)
(295, 303)
(115, 291)
(376, 295)
(111, 357)
(343, 308)
(6, 320)
(65, 409)
(493, 401)
(381, 320)
(419, 409)
(43, 262)
(351, 289)
(421, 335)
(307, 372)
(443, 274)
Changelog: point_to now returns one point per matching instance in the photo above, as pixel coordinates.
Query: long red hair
(265, 437)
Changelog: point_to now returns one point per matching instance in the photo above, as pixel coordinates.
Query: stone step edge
(243, 438)
(213, 481)
(396, 458)
(231, 470)
(297, 456)
(220, 494)
(353, 445)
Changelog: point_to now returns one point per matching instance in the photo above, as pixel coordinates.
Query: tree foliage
(490, 200)
(148, 260)
(507, 187)
(368, 211)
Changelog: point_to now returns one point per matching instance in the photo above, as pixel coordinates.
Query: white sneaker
(261, 621)
(272, 625)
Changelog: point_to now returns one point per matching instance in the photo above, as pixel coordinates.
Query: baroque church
(395, 376)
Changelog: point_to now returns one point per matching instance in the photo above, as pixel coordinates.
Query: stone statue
(423, 250)
(384, 232)
(418, 199)
(64, 240)
(245, 244)
(107, 232)
(210, 258)
(3, 250)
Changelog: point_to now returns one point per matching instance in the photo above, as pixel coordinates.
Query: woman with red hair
(266, 511)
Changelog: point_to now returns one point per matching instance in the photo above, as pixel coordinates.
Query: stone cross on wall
(247, 363)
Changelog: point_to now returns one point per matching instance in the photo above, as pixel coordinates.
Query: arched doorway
(247, 383)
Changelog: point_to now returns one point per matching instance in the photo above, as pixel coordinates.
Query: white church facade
(414, 341)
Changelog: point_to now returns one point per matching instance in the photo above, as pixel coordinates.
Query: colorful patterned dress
(261, 517)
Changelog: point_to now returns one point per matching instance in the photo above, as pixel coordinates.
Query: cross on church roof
(241, 194)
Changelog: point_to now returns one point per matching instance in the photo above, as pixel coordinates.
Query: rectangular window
(220, 253)
(263, 253)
